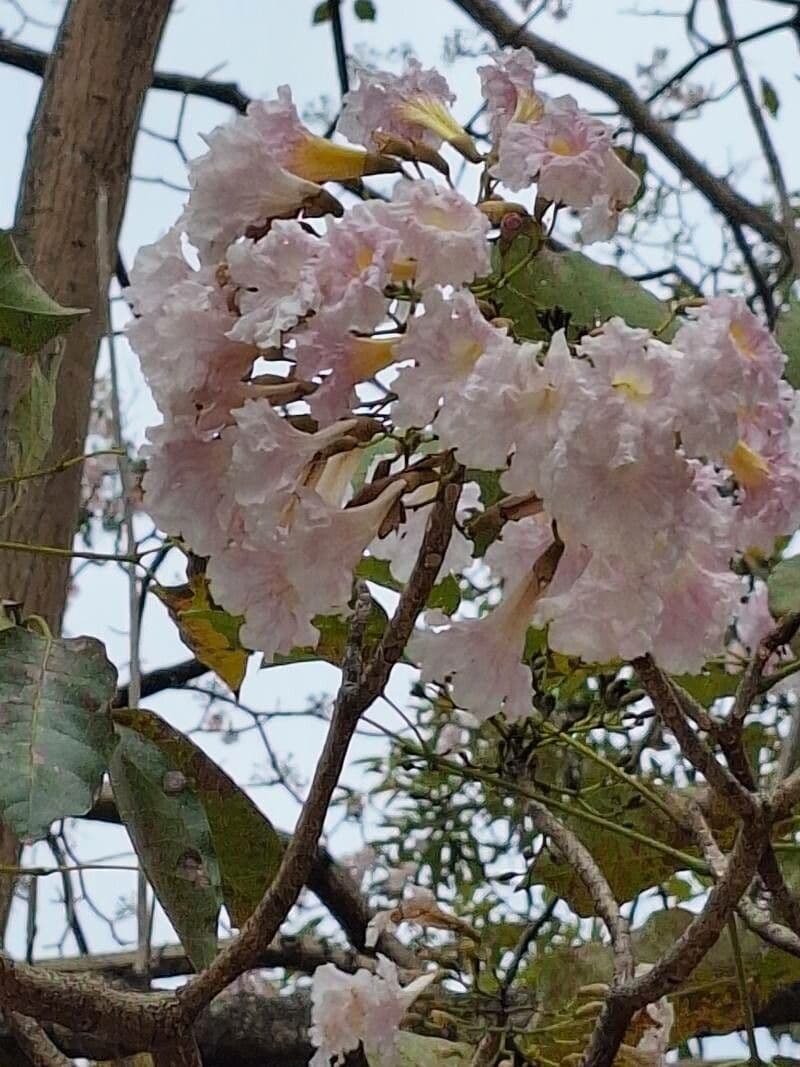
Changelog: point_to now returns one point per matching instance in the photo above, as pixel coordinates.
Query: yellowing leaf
(209, 631)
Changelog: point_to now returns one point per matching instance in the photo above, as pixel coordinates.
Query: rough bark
(81, 140)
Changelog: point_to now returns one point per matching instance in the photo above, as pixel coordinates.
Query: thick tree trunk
(81, 140)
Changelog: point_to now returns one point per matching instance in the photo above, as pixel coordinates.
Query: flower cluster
(317, 368)
(362, 1008)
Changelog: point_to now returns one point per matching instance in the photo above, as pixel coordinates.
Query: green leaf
(589, 292)
(413, 1050)
(783, 587)
(787, 334)
(29, 318)
(769, 98)
(710, 1001)
(31, 429)
(209, 631)
(630, 865)
(712, 683)
(172, 837)
(372, 569)
(446, 595)
(322, 13)
(488, 483)
(364, 10)
(333, 633)
(246, 845)
(55, 727)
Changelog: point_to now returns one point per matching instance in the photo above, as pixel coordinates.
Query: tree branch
(670, 709)
(35, 1043)
(585, 866)
(491, 17)
(359, 688)
(34, 61)
(760, 126)
(156, 681)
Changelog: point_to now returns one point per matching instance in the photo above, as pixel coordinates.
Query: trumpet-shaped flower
(295, 147)
(327, 347)
(186, 487)
(730, 365)
(348, 1010)
(481, 659)
(413, 106)
(508, 89)
(565, 152)
(445, 343)
(241, 171)
(617, 190)
(275, 283)
(190, 363)
(441, 231)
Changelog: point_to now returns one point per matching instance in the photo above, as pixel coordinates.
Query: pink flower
(565, 152)
(354, 263)
(186, 488)
(731, 365)
(445, 343)
(275, 282)
(767, 471)
(633, 374)
(697, 601)
(441, 231)
(272, 463)
(295, 147)
(267, 578)
(401, 546)
(481, 659)
(413, 106)
(253, 581)
(546, 406)
(348, 1010)
(608, 613)
(326, 347)
(508, 89)
(187, 358)
(156, 269)
(619, 187)
(238, 183)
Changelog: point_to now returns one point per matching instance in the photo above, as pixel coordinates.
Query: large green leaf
(787, 334)
(55, 727)
(247, 847)
(170, 831)
(31, 428)
(783, 587)
(29, 318)
(567, 982)
(629, 863)
(588, 292)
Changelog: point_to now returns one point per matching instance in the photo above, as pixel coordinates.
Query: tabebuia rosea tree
(422, 390)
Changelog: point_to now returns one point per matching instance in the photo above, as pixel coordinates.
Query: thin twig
(585, 866)
(767, 147)
(104, 271)
(744, 994)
